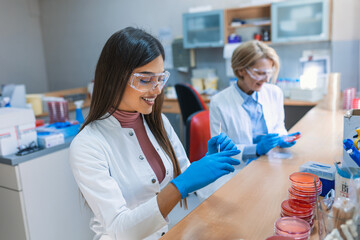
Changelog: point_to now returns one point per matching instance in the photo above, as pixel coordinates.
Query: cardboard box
(17, 127)
(351, 123)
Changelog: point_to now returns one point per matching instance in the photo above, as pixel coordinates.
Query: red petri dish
(292, 227)
(293, 195)
(300, 192)
(297, 207)
(279, 238)
(302, 180)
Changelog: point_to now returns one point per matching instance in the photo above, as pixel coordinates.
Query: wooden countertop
(247, 206)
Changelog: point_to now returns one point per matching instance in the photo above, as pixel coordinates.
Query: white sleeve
(280, 125)
(215, 119)
(104, 196)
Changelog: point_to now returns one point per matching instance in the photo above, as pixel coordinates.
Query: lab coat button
(131, 133)
(153, 180)
(167, 172)
(141, 157)
(157, 149)
(156, 193)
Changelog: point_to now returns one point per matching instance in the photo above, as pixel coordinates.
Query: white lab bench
(39, 198)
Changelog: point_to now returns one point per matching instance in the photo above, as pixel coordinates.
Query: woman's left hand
(226, 144)
(284, 144)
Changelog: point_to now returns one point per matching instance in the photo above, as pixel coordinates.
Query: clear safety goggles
(260, 74)
(144, 82)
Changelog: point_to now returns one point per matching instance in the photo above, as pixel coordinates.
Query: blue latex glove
(205, 171)
(226, 144)
(352, 150)
(267, 142)
(258, 138)
(284, 144)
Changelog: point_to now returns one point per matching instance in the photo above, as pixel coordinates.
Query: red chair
(189, 99)
(197, 135)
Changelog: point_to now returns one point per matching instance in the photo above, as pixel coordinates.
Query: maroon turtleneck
(134, 120)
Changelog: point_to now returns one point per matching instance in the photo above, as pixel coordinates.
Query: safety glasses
(144, 82)
(260, 74)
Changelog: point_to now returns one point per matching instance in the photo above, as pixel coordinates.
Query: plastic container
(279, 238)
(293, 227)
(298, 208)
(58, 111)
(304, 182)
(325, 172)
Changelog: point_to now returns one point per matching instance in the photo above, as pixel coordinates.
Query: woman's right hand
(205, 171)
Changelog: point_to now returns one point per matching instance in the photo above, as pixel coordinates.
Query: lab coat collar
(260, 96)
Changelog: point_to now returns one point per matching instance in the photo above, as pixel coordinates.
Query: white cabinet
(203, 29)
(40, 200)
(300, 20)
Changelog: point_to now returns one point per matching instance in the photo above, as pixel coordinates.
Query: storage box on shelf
(248, 21)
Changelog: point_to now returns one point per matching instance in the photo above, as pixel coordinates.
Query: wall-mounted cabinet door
(203, 29)
(300, 20)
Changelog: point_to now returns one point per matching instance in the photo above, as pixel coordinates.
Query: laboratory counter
(171, 105)
(248, 205)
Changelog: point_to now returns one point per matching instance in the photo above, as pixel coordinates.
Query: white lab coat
(117, 181)
(226, 107)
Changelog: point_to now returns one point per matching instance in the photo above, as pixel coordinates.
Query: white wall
(346, 19)
(75, 31)
(21, 47)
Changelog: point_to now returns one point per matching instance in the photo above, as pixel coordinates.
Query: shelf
(249, 25)
(257, 16)
(205, 29)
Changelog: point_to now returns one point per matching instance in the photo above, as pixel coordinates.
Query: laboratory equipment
(325, 172)
(349, 96)
(293, 227)
(17, 127)
(299, 209)
(79, 115)
(302, 187)
(16, 94)
(291, 137)
(58, 111)
(351, 131)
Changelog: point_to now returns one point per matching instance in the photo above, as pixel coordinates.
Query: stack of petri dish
(349, 95)
(303, 187)
(298, 208)
(293, 227)
(58, 111)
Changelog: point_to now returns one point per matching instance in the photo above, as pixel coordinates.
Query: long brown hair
(125, 51)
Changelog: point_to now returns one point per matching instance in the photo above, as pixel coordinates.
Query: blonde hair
(249, 52)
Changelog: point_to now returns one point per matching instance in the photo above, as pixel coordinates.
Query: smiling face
(142, 102)
(248, 84)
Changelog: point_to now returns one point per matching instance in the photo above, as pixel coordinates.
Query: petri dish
(305, 180)
(279, 238)
(293, 227)
(297, 207)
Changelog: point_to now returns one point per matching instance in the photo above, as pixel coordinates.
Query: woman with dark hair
(127, 160)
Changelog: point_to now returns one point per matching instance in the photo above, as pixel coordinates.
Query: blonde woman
(251, 112)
